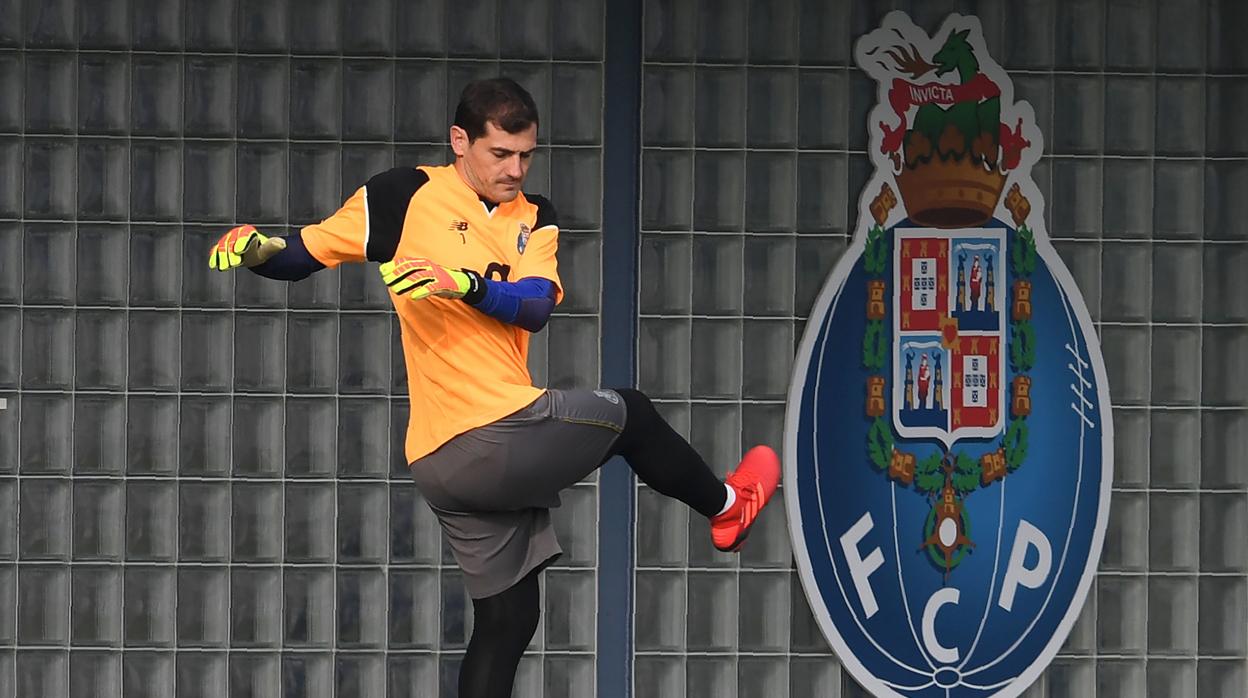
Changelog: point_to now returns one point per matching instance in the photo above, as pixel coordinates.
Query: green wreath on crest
(875, 256)
(1015, 443)
(875, 344)
(880, 443)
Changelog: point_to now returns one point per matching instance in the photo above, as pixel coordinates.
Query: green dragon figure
(976, 124)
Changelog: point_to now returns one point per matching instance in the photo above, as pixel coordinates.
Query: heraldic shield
(948, 318)
(948, 436)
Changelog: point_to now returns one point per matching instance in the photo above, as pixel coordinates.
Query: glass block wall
(202, 491)
(753, 159)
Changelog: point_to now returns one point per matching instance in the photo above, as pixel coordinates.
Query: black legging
(504, 624)
(664, 460)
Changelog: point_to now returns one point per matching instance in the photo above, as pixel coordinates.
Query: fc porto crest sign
(948, 448)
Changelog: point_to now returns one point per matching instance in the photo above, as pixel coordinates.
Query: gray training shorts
(492, 487)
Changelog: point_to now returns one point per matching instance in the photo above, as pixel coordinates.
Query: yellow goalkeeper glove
(243, 246)
(421, 278)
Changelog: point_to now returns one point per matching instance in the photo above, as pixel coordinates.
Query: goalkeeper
(470, 263)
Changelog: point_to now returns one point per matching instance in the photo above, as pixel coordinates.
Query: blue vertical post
(620, 245)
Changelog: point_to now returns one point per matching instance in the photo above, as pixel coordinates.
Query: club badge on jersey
(948, 443)
(522, 240)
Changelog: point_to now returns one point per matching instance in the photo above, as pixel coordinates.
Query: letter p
(1028, 536)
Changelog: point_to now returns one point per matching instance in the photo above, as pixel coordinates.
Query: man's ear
(459, 141)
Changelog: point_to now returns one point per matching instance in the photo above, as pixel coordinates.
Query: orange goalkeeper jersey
(464, 368)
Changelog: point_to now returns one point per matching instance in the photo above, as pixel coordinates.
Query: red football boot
(754, 482)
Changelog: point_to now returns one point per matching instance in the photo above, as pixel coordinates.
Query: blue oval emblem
(948, 441)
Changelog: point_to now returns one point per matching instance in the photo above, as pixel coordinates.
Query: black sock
(664, 460)
(503, 625)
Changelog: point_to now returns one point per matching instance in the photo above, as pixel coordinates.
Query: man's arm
(367, 227)
(283, 258)
(294, 263)
(526, 303)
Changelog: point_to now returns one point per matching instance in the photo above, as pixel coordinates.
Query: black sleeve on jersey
(545, 211)
(387, 197)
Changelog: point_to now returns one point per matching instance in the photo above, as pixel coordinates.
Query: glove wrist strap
(476, 287)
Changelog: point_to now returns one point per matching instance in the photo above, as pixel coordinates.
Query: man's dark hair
(499, 100)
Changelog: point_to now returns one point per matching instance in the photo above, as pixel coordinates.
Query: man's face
(495, 164)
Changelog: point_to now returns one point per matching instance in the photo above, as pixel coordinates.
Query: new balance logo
(461, 227)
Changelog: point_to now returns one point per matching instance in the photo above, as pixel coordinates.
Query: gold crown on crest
(947, 184)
